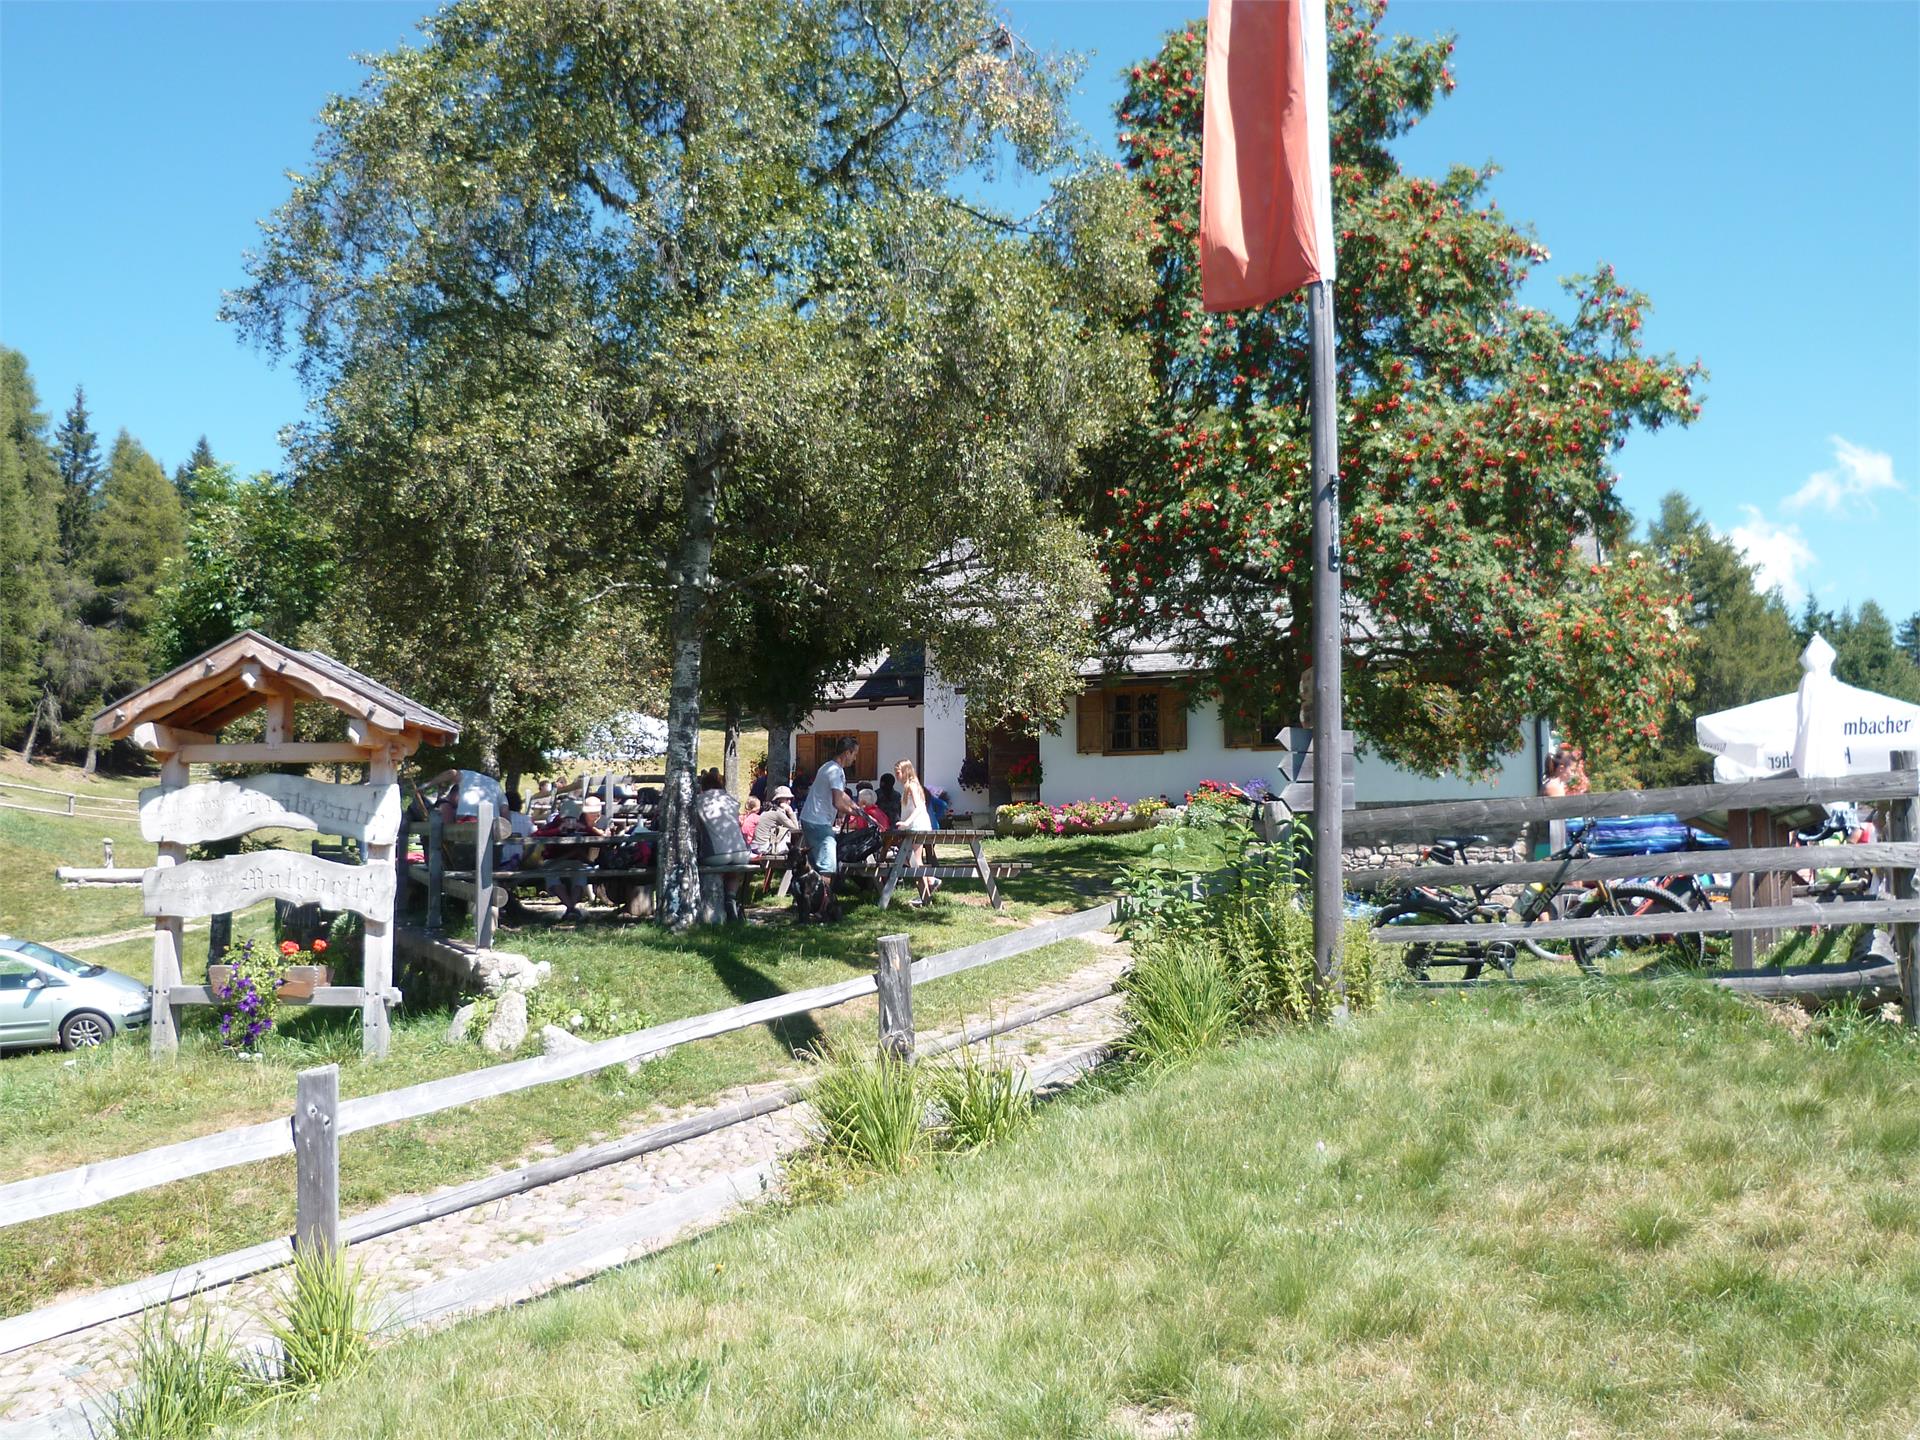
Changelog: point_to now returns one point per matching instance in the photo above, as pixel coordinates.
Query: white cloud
(1858, 472)
(1779, 554)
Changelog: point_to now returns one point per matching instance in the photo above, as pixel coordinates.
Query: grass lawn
(1568, 1210)
(58, 1111)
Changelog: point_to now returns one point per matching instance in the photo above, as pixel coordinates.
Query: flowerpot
(1024, 793)
(300, 981)
(218, 976)
(1014, 827)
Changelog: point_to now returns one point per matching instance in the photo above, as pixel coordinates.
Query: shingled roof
(236, 676)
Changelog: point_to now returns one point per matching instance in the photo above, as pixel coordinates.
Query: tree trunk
(33, 734)
(730, 756)
(93, 755)
(779, 754)
(678, 896)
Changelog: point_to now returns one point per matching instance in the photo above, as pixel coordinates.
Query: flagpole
(1329, 900)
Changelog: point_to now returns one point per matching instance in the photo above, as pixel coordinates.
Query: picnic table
(902, 842)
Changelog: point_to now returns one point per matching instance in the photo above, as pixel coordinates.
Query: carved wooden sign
(215, 887)
(222, 809)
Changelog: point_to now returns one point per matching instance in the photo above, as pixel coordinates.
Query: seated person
(869, 800)
(722, 843)
(778, 824)
(749, 819)
(889, 797)
(573, 817)
(468, 788)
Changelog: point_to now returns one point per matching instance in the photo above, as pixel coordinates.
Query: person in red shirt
(870, 806)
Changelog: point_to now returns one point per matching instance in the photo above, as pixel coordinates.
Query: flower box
(297, 983)
(1014, 828)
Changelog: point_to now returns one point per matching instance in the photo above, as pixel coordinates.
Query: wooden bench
(903, 841)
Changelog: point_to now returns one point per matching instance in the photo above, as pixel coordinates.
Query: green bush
(325, 1322)
(186, 1382)
(1183, 997)
(978, 1103)
(871, 1112)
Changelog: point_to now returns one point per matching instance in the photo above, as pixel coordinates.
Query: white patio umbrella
(1827, 727)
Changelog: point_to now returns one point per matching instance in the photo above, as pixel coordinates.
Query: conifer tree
(29, 485)
(200, 461)
(1746, 648)
(78, 451)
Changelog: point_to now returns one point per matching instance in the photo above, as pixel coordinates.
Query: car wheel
(85, 1028)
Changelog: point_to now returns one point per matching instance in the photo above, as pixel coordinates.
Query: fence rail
(74, 807)
(1422, 822)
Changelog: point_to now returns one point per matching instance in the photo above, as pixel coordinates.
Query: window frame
(1160, 693)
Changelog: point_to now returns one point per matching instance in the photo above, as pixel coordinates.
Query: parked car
(50, 998)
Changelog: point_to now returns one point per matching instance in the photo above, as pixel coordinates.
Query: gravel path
(43, 1378)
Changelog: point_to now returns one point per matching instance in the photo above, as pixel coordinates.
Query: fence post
(483, 875)
(106, 851)
(1903, 823)
(70, 802)
(436, 867)
(894, 980)
(316, 1157)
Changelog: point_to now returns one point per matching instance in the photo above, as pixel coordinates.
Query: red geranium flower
(289, 947)
(319, 946)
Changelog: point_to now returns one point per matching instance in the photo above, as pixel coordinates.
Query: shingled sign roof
(236, 676)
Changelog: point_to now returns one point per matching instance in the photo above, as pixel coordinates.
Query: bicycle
(1535, 904)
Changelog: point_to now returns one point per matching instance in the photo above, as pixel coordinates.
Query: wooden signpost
(176, 719)
(1296, 770)
(222, 809)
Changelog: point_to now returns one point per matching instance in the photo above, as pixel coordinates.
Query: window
(1258, 735)
(1137, 720)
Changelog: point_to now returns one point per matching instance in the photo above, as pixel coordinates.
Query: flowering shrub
(1024, 771)
(245, 1006)
(1076, 816)
(1216, 802)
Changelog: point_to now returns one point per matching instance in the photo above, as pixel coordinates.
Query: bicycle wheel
(1635, 900)
(1420, 959)
(1557, 908)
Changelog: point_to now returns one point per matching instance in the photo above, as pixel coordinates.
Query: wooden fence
(1748, 806)
(320, 1118)
(66, 803)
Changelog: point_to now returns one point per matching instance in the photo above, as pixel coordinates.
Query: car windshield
(54, 958)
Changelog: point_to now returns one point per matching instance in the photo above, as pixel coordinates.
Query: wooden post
(219, 934)
(165, 1040)
(279, 719)
(316, 1157)
(1903, 823)
(985, 871)
(894, 980)
(70, 803)
(376, 942)
(483, 875)
(1740, 837)
(730, 752)
(436, 867)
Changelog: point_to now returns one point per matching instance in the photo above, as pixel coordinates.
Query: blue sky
(1755, 167)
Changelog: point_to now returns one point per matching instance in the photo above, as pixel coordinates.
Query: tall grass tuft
(979, 1103)
(326, 1318)
(871, 1112)
(186, 1382)
(1182, 998)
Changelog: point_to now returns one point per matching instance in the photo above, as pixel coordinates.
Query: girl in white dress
(914, 815)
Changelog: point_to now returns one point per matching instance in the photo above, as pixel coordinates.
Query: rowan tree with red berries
(1476, 439)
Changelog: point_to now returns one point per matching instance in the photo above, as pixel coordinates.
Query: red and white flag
(1266, 195)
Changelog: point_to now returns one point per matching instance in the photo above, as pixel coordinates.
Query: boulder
(555, 1041)
(507, 1030)
(462, 1022)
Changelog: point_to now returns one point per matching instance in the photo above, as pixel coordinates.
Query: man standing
(826, 802)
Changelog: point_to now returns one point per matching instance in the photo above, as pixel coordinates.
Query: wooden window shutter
(804, 759)
(869, 757)
(1239, 734)
(1090, 724)
(1173, 719)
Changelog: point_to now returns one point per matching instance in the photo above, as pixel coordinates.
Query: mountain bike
(1535, 904)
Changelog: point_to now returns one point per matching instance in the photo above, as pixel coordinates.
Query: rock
(461, 1023)
(508, 1028)
(555, 1041)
